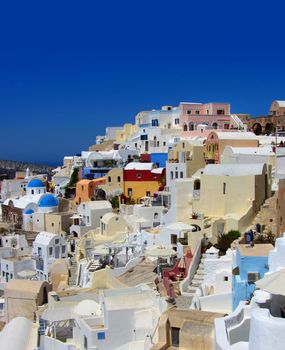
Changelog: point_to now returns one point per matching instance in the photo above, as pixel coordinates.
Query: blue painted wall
(159, 158)
(242, 289)
(94, 173)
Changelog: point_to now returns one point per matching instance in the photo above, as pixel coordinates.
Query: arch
(215, 125)
(45, 295)
(191, 126)
(269, 128)
(197, 184)
(257, 128)
(185, 127)
(196, 228)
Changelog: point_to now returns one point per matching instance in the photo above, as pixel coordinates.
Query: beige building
(184, 160)
(58, 223)
(114, 182)
(23, 297)
(123, 135)
(217, 141)
(231, 195)
(186, 330)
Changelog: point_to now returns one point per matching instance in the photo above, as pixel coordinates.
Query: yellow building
(123, 135)
(142, 180)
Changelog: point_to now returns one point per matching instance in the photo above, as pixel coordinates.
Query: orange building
(85, 189)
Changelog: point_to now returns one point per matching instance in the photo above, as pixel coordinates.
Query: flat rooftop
(256, 250)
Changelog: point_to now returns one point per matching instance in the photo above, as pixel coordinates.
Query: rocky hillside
(8, 168)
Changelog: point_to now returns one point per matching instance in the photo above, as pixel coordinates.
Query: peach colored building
(217, 141)
(216, 115)
(85, 189)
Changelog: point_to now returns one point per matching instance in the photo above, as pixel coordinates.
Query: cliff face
(8, 168)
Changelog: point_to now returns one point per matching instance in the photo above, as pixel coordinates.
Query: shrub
(225, 240)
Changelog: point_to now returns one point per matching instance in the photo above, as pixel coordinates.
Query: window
(188, 112)
(119, 178)
(11, 275)
(3, 273)
(147, 193)
(253, 277)
(220, 111)
(176, 121)
(82, 188)
(226, 278)
(155, 216)
(130, 192)
(181, 174)
(101, 335)
(109, 179)
(197, 112)
(176, 174)
(164, 143)
(56, 241)
(83, 205)
(85, 342)
(183, 145)
(139, 175)
(50, 251)
(52, 224)
(224, 188)
(171, 175)
(87, 217)
(63, 249)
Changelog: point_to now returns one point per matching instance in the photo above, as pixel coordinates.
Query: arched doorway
(257, 128)
(191, 126)
(215, 125)
(185, 127)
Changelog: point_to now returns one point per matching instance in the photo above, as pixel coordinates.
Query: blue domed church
(20, 211)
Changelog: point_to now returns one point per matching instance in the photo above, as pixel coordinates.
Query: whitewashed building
(48, 247)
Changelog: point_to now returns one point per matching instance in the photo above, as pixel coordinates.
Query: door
(56, 251)
(175, 336)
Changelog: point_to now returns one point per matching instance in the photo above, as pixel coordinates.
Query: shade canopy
(142, 221)
(27, 274)
(273, 283)
(180, 226)
(101, 250)
(160, 251)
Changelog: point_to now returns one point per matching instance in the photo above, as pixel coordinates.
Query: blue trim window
(101, 336)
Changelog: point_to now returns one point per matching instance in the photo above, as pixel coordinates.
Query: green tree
(70, 187)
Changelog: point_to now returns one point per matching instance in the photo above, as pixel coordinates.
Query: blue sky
(70, 69)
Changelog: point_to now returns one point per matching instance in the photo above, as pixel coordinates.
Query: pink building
(215, 115)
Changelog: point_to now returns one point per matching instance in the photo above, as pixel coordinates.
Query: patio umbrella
(273, 283)
(160, 251)
(101, 250)
(180, 226)
(182, 264)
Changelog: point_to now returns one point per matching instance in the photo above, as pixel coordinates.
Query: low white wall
(217, 303)
(266, 332)
(192, 270)
(131, 263)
